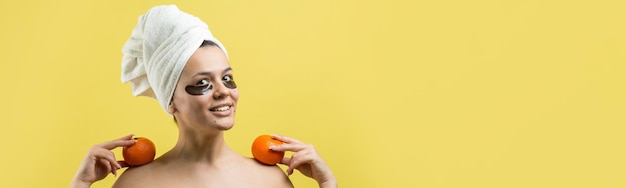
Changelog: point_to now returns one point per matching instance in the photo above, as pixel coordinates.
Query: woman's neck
(200, 146)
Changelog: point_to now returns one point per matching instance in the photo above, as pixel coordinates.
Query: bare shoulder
(134, 177)
(271, 174)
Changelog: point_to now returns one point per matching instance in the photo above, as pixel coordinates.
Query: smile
(220, 109)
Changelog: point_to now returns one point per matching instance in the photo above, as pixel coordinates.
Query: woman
(173, 57)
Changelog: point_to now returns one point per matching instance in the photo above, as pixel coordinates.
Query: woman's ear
(170, 108)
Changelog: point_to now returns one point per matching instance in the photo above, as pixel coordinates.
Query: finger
(290, 147)
(285, 161)
(298, 156)
(105, 164)
(289, 171)
(296, 162)
(123, 164)
(286, 139)
(114, 168)
(127, 137)
(107, 155)
(124, 141)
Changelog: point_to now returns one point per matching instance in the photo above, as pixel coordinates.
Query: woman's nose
(220, 91)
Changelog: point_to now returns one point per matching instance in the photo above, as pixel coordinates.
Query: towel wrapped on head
(158, 49)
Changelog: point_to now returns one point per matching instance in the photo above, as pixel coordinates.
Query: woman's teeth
(223, 108)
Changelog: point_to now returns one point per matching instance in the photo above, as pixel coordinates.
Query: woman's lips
(221, 110)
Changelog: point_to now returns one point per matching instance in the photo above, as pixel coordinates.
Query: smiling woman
(173, 57)
(398, 93)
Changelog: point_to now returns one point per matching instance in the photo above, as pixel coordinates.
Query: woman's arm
(306, 160)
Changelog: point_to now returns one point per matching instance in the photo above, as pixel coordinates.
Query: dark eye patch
(229, 82)
(202, 88)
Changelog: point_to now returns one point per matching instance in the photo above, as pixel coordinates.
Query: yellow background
(446, 93)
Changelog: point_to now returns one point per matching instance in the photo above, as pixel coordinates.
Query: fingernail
(273, 147)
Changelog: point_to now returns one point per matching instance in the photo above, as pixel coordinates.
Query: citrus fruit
(261, 150)
(140, 153)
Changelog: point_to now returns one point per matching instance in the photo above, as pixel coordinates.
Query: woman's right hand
(99, 162)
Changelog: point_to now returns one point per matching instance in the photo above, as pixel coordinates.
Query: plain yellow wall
(392, 93)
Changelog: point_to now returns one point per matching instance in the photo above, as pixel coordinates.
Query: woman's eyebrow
(209, 73)
(227, 69)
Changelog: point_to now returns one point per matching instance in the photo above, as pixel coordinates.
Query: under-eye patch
(229, 82)
(201, 88)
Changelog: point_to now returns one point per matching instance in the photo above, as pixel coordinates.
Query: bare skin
(201, 158)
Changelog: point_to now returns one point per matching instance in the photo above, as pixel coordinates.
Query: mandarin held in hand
(140, 153)
(261, 150)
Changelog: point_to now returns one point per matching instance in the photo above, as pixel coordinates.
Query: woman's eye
(202, 83)
(229, 82)
(201, 88)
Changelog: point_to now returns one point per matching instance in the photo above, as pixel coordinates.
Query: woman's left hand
(306, 160)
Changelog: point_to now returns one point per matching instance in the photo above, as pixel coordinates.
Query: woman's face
(206, 94)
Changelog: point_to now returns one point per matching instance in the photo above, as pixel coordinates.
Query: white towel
(158, 49)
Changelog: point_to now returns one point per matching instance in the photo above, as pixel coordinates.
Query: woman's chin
(225, 128)
(224, 125)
